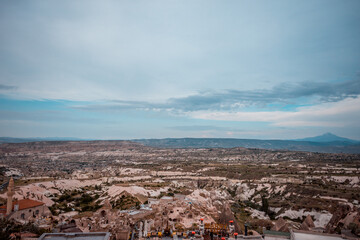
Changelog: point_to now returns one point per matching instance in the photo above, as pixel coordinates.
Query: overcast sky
(191, 68)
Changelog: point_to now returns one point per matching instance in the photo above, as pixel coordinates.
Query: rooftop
(306, 235)
(23, 204)
(276, 233)
(76, 236)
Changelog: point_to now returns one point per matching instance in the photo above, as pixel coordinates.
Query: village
(135, 192)
(180, 120)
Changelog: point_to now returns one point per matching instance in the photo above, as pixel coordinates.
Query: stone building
(24, 210)
(107, 219)
(76, 236)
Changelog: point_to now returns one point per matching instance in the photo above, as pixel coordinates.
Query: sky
(280, 69)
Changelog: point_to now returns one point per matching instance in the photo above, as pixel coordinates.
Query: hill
(327, 137)
(23, 140)
(327, 143)
(310, 146)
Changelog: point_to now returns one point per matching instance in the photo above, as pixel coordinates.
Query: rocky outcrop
(307, 224)
(281, 225)
(344, 218)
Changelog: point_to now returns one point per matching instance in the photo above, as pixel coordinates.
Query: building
(303, 235)
(107, 220)
(308, 235)
(24, 210)
(275, 235)
(76, 236)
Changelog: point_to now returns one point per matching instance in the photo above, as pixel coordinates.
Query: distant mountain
(327, 143)
(325, 147)
(22, 140)
(327, 137)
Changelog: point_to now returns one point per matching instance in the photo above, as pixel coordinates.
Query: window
(103, 213)
(23, 216)
(37, 212)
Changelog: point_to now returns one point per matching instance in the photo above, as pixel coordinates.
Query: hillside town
(136, 192)
(180, 120)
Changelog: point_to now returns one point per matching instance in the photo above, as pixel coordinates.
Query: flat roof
(277, 233)
(314, 236)
(76, 236)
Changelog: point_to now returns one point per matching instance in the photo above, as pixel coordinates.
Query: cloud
(87, 50)
(7, 87)
(284, 93)
(235, 100)
(336, 105)
(344, 113)
(45, 116)
(117, 105)
(204, 128)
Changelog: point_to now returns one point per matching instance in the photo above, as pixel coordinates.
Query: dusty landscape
(184, 120)
(112, 185)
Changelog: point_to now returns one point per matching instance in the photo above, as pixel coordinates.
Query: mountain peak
(327, 137)
(328, 134)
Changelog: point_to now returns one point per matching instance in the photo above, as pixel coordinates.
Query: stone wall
(29, 213)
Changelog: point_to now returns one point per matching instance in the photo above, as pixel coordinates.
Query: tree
(265, 204)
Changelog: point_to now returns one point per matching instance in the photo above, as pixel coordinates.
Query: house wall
(30, 212)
